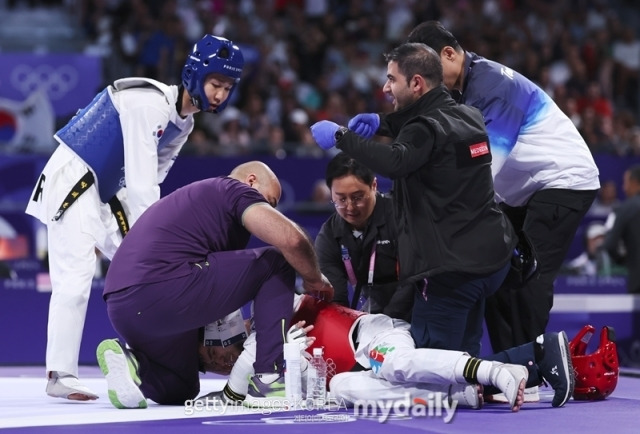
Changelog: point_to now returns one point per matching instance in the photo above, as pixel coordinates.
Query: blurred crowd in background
(309, 60)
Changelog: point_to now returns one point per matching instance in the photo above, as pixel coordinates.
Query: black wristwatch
(340, 132)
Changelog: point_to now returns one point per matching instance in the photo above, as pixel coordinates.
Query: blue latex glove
(324, 133)
(365, 124)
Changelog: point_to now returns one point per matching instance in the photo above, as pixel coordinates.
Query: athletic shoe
(556, 367)
(510, 379)
(67, 386)
(120, 368)
(531, 394)
(467, 395)
(265, 392)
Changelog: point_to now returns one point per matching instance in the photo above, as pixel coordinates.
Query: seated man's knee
(277, 261)
(271, 255)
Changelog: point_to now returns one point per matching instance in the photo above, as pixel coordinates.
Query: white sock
(486, 371)
(473, 370)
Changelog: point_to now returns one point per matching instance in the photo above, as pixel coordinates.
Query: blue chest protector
(95, 135)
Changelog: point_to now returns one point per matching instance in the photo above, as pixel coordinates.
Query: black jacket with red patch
(440, 164)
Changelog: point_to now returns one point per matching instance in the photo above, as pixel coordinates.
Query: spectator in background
(233, 139)
(299, 128)
(605, 201)
(591, 261)
(570, 108)
(319, 201)
(634, 141)
(275, 144)
(294, 123)
(157, 52)
(595, 100)
(7, 234)
(303, 54)
(625, 232)
(626, 57)
(6, 272)
(310, 50)
(199, 144)
(257, 120)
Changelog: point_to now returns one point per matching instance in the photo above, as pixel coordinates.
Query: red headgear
(596, 373)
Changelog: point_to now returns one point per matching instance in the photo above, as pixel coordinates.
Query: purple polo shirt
(181, 229)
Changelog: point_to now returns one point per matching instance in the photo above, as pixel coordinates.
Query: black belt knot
(83, 185)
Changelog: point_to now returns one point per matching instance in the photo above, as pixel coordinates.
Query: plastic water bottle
(292, 373)
(317, 380)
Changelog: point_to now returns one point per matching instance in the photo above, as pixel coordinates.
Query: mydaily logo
(435, 405)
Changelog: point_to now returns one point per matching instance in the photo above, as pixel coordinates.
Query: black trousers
(550, 219)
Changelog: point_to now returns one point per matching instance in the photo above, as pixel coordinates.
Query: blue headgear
(211, 54)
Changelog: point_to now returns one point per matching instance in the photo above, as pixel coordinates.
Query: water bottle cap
(317, 351)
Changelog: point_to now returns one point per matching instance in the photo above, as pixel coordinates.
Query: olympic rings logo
(57, 81)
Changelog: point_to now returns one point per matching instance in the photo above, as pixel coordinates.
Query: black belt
(354, 338)
(83, 185)
(354, 335)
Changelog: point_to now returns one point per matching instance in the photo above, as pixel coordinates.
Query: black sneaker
(555, 366)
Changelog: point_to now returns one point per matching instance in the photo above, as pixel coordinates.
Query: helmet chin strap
(181, 92)
(196, 102)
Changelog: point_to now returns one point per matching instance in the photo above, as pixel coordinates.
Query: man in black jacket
(358, 245)
(454, 242)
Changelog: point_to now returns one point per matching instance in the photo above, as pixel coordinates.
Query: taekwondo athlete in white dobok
(391, 365)
(128, 136)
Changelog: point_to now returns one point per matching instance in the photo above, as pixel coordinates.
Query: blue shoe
(120, 368)
(263, 393)
(556, 367)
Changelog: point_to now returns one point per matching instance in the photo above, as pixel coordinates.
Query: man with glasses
(454, 243)
(357, 246)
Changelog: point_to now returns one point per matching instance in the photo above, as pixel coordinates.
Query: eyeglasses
(356, 201)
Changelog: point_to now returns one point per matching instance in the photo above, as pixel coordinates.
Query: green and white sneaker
(120, 368)
(266, 391)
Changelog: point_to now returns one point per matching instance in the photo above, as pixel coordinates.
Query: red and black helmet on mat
(596, 373)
